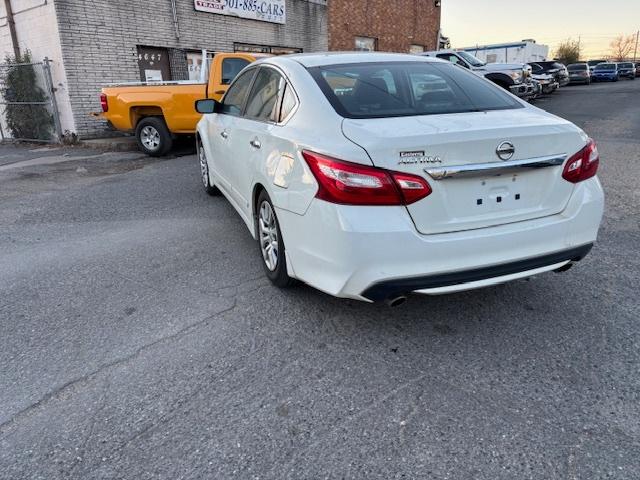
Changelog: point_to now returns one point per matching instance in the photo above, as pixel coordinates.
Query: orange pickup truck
(157, 111)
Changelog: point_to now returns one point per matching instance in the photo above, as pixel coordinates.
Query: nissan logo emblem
(505, 150)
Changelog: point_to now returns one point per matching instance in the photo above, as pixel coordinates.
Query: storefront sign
(273, 11)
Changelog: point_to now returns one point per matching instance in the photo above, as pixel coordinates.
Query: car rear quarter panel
(314, 126)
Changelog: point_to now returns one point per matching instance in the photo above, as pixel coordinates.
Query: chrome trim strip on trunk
(494, 168)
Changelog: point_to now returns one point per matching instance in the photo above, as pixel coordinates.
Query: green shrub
(19, 84)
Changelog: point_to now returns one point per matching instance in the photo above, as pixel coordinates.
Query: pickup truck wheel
(153, 136)
(204, 171)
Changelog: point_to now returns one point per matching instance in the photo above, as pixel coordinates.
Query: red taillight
(103, 102)
(583, 164)
(354, 184)
(412, 187)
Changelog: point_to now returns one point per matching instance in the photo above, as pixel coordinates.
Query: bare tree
(568, 52)
(622, 47)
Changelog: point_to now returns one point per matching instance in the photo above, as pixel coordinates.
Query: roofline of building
(499, 45)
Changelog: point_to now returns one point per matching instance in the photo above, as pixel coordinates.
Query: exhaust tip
(564, 268)
(396, 301)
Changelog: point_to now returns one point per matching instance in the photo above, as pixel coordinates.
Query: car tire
(270, 242)
(204, 171)
(153, 136)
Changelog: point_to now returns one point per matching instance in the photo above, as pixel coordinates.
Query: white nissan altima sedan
(373, 176)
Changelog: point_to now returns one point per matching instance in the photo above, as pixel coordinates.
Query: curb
(113, 144)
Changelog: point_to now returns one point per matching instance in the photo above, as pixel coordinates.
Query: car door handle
(224, 134)
(255, 143)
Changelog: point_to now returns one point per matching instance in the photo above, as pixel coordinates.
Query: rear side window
(231, 67)
(391, 89)
(263, 100)
(233, 101)
(288, 103)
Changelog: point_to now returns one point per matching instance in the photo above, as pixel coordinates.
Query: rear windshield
(605, 66)
(396, 89)
(626, 65)
(577, 66)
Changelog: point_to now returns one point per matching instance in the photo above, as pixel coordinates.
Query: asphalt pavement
(139, 339)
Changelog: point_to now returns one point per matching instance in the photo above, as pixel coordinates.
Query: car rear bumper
(579, 79)
(436, 283)
(373, 253)
(607, 77)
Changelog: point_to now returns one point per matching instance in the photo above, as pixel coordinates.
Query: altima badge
(505, 151)
(418, 156)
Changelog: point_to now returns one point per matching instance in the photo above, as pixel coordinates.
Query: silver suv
(515, 77)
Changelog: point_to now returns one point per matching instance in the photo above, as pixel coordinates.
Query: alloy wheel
(204, 169)
(150, 138)
(268, 231)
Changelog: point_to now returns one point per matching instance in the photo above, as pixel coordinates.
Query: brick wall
(99, 40)
(396, 25)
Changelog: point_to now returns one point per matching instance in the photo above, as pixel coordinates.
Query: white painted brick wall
(37, 31)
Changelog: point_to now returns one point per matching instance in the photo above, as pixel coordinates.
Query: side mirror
(207, 105)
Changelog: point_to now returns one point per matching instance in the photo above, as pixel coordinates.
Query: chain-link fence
(28, 109)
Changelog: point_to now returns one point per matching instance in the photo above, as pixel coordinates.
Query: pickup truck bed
(175, 103)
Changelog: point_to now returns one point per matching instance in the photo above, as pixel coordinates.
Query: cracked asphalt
(139, 339)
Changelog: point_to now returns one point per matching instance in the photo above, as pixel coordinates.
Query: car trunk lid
(481, 195)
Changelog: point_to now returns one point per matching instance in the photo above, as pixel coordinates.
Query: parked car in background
(373, 176)
(557, 69)
(158, 111)
(592, 63)
(606, 72)
(637, 69)
(627, 70)
(579, 73)
(514, 77)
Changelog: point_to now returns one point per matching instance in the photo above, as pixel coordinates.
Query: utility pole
(635, 52)
(12, 28)
(579, 47)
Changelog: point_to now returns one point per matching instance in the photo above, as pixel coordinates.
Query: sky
(595, 22)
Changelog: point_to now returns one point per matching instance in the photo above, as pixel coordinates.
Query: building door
(154, 64)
